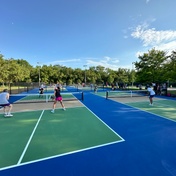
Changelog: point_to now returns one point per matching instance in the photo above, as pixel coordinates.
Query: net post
(106, 94)
(46, 98)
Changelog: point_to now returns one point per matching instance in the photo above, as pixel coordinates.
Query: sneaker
(8, 115)
(64, 109)
(151, 104)
(52, 111)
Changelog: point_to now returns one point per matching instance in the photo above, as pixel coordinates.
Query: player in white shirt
(151, 95)
(4, 97)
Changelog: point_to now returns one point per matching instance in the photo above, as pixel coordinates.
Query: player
(58, 97)
(4, 97)
(151, 95)
(95, 89)
(41, 90)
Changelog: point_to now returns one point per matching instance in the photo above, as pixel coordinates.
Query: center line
(24, 151)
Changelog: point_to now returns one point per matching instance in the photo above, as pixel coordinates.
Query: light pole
(85, 73)
(132, 73)
(39, 73)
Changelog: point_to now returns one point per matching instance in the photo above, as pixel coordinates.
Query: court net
(126, 94)
(43, 98)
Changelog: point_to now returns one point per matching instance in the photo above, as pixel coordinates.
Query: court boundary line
(67, 153)
(105, 124)
(102, 122)
(162, 104)
(146, 111)
(156, 102)
(104, 96)
(25, 149)
(60, 155)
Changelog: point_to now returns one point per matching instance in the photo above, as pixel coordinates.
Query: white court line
(67, 153)
(106, 125)
(126, 104)
(24, 151)
(61, 155)
(155, 102)
(122, 140)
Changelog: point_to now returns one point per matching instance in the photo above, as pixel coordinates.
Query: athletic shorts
(151, 96)
(58, 99)
(3, 105)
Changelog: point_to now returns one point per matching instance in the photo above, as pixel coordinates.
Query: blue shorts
(151, 96)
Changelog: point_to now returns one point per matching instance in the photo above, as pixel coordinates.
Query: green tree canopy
(150, 68)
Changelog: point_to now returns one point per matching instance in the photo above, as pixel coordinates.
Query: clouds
(63, 62)
(151, 38)
(106, 62)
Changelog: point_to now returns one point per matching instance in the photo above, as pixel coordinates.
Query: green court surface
(102, 94)
(164, 108)
(37, 135)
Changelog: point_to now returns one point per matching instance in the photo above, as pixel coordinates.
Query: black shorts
(3, 105)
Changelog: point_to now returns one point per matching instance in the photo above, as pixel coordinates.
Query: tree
(15, 72)
(25, 70)
(171, 66)
(150, 68)
(78, 76)
(3, 70)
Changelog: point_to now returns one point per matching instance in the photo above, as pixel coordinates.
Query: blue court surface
(148, 149)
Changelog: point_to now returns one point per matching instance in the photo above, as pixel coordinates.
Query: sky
(86, 33)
